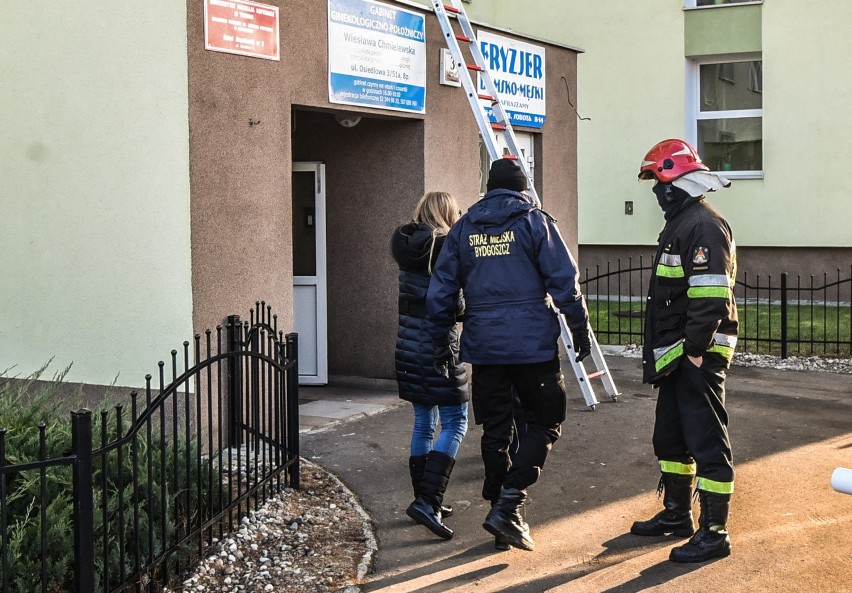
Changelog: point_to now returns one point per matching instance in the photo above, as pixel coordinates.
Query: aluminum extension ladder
(503, 125)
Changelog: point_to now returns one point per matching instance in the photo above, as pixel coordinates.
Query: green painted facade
(633, 81)
(94, 162)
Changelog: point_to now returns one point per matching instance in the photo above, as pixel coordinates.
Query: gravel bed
(792, 363)
(316, 539)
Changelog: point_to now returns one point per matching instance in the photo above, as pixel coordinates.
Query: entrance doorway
(310, 298)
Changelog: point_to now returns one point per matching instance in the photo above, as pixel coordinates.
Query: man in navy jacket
(508, 257)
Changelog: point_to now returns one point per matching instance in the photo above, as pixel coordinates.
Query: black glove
(582, 343)
(445, 358)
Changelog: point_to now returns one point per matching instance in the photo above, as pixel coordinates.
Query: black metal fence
(217, 433)
(782, 315)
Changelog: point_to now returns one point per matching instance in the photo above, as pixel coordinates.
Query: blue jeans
(453, 429)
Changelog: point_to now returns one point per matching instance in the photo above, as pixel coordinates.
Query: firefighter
(507, 256)
(690, 336)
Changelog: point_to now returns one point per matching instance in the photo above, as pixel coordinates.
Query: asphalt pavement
(790, 531)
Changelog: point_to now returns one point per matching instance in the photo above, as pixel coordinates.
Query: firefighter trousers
(692, 423)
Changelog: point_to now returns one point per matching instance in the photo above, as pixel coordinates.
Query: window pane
(734, 144)
(732, 85)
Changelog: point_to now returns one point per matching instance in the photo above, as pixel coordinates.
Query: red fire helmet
(670, 159)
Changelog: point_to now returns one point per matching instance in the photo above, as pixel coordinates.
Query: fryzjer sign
(517, 69)
(242, 27)
(376, 55)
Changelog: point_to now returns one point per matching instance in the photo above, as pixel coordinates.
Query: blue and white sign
(376, 56)
(517, 69)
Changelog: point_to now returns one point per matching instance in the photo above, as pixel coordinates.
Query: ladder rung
(488, 98)
(474, 67)
(464, 38)
(498, 127)
(596, 374)
(452, 9)
(511, 157)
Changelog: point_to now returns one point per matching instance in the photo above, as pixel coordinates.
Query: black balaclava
(506, 174)
(670, 198)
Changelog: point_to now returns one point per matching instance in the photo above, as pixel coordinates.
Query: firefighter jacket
(691, 308)
(507, 255)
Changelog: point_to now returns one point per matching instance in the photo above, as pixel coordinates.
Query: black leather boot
(676, 516)
(426, 508)
(500, 543)
(505, 521)
(416, 464)
(711, 540)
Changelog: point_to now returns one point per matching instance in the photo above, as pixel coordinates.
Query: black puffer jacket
(412, 245)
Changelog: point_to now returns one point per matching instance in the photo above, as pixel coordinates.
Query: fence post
(783, 314)
(292, 405)
(235, 380)
(84, 507)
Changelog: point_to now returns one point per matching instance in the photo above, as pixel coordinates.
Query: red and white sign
(242, 27)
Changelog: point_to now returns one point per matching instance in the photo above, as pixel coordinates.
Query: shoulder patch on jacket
(700, 255)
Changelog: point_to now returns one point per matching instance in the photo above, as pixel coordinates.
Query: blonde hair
(438, 210)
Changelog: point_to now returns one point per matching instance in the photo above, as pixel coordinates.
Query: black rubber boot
(416, 464)
(506, 522)
(676, 516)
(711, 541)
(426, 508)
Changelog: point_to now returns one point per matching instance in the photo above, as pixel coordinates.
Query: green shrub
(27, 403)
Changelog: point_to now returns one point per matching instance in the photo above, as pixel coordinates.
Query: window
(696, 3)
(727, 107)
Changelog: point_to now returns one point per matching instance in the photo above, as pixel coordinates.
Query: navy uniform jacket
(691, 308)
(507, 256)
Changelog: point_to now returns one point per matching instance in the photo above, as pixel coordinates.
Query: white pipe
(841, 480)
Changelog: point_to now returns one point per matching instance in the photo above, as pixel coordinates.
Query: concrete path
(790, 531)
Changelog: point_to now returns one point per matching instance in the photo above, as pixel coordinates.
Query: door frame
(321, 282)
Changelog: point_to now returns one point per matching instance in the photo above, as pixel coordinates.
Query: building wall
(376, 172)
(631, 85)
(94, 199)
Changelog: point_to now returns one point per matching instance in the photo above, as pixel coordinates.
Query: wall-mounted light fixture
(348, 121)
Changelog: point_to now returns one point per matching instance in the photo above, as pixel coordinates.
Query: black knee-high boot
(416, 465)
(676, 516)
(711, 540)
(426, 508)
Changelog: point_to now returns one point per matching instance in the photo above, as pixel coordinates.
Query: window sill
(741, 174)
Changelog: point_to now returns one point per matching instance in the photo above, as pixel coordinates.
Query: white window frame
(693, 4)
(693, 98)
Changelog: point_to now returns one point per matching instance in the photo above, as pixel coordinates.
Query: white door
(309, 272)
(525, 143)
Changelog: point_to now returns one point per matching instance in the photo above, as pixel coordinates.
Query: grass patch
(812, 330)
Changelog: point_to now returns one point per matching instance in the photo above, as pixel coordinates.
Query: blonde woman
(415, 247)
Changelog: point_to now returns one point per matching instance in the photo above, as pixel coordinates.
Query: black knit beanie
(506, 174)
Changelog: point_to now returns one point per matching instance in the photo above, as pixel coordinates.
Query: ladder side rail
(485, 129)
(601, 366)
(501, 116)
(579, 369)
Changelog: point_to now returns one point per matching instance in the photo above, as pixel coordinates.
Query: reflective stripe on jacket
(691, 308)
